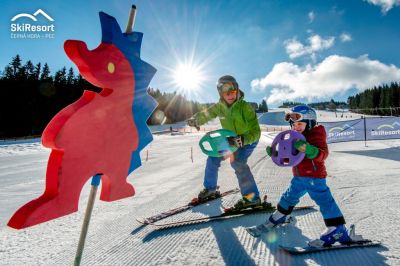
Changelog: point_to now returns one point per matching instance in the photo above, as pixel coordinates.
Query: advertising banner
(375, 128)
(383, 128)
(349, 130)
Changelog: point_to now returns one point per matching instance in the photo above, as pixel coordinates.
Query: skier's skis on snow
(260, 229)
(357, 241)
(309, 249)
(265, 207)
(193, 203)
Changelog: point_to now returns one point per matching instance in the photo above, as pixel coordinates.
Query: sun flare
(188, 77)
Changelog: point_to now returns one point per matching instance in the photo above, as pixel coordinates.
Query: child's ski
(309, 249)
(264, 208)
(193, 203)
(260, 229)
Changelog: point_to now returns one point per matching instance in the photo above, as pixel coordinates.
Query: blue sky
(278, 50)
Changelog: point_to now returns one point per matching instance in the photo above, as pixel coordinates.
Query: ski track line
(249, 243)
(167, 242)
(163, 241)
(21, 171)
(206, 241)
(205, 237)
(22, 165)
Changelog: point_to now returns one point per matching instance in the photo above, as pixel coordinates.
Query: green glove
(269, 151)
(310, 150)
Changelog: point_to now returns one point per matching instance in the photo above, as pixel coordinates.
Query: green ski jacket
(239, 118)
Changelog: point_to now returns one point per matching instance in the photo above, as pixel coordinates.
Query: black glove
(237, 141)
(192, 122)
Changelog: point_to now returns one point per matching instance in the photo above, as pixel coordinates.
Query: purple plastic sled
(283, 151)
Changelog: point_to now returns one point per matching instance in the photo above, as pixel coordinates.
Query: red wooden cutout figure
(101, 133)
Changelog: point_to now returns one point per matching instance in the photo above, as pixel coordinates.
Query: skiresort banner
(374, 128)
(350, 130)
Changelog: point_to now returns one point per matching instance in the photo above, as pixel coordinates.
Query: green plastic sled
(215, 144)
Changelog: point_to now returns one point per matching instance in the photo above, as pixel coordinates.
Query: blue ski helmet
(302, 113)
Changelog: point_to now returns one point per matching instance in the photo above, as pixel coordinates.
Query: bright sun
(188, 77)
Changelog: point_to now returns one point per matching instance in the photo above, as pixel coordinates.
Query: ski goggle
(226, 89)
(293, 116)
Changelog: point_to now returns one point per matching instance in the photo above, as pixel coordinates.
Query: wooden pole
(147, 155)
(96, 179)
(131, 20)
(85, 226)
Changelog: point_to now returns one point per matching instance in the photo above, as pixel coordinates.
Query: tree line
(380, 100)
(31, 97)
(172, 107)
(331, 105)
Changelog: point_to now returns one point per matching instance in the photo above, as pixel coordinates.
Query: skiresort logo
(387, 130)
(31, 30)
(338, 132)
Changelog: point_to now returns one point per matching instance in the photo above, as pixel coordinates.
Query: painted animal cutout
(101, 133)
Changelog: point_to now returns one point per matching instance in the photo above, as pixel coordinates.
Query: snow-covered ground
(364, 180)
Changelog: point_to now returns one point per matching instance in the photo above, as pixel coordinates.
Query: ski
(264, 208)
(193, 203)
(309, 249)
(258, 230)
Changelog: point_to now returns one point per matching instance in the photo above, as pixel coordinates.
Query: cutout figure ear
(129, 44)
(109, 28)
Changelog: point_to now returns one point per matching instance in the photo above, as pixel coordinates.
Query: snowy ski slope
(364, 180)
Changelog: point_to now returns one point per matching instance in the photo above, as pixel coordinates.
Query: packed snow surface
(364, 181)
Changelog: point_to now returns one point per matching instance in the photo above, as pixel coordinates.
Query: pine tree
(15, 65)
(71, 77)
(29, 70)
(45, 72)
(263, 106)
(61, 76)
(332, 105)
(8, 73)
(37, 71)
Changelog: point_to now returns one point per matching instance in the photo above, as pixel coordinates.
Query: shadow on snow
(389, 153)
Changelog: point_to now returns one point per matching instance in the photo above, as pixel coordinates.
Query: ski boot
(332, 235)
(247, 201)
(274, 220)
(206, 195)
(278, 218)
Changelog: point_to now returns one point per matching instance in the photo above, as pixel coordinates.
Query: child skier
(309, 177)
(237, 115)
